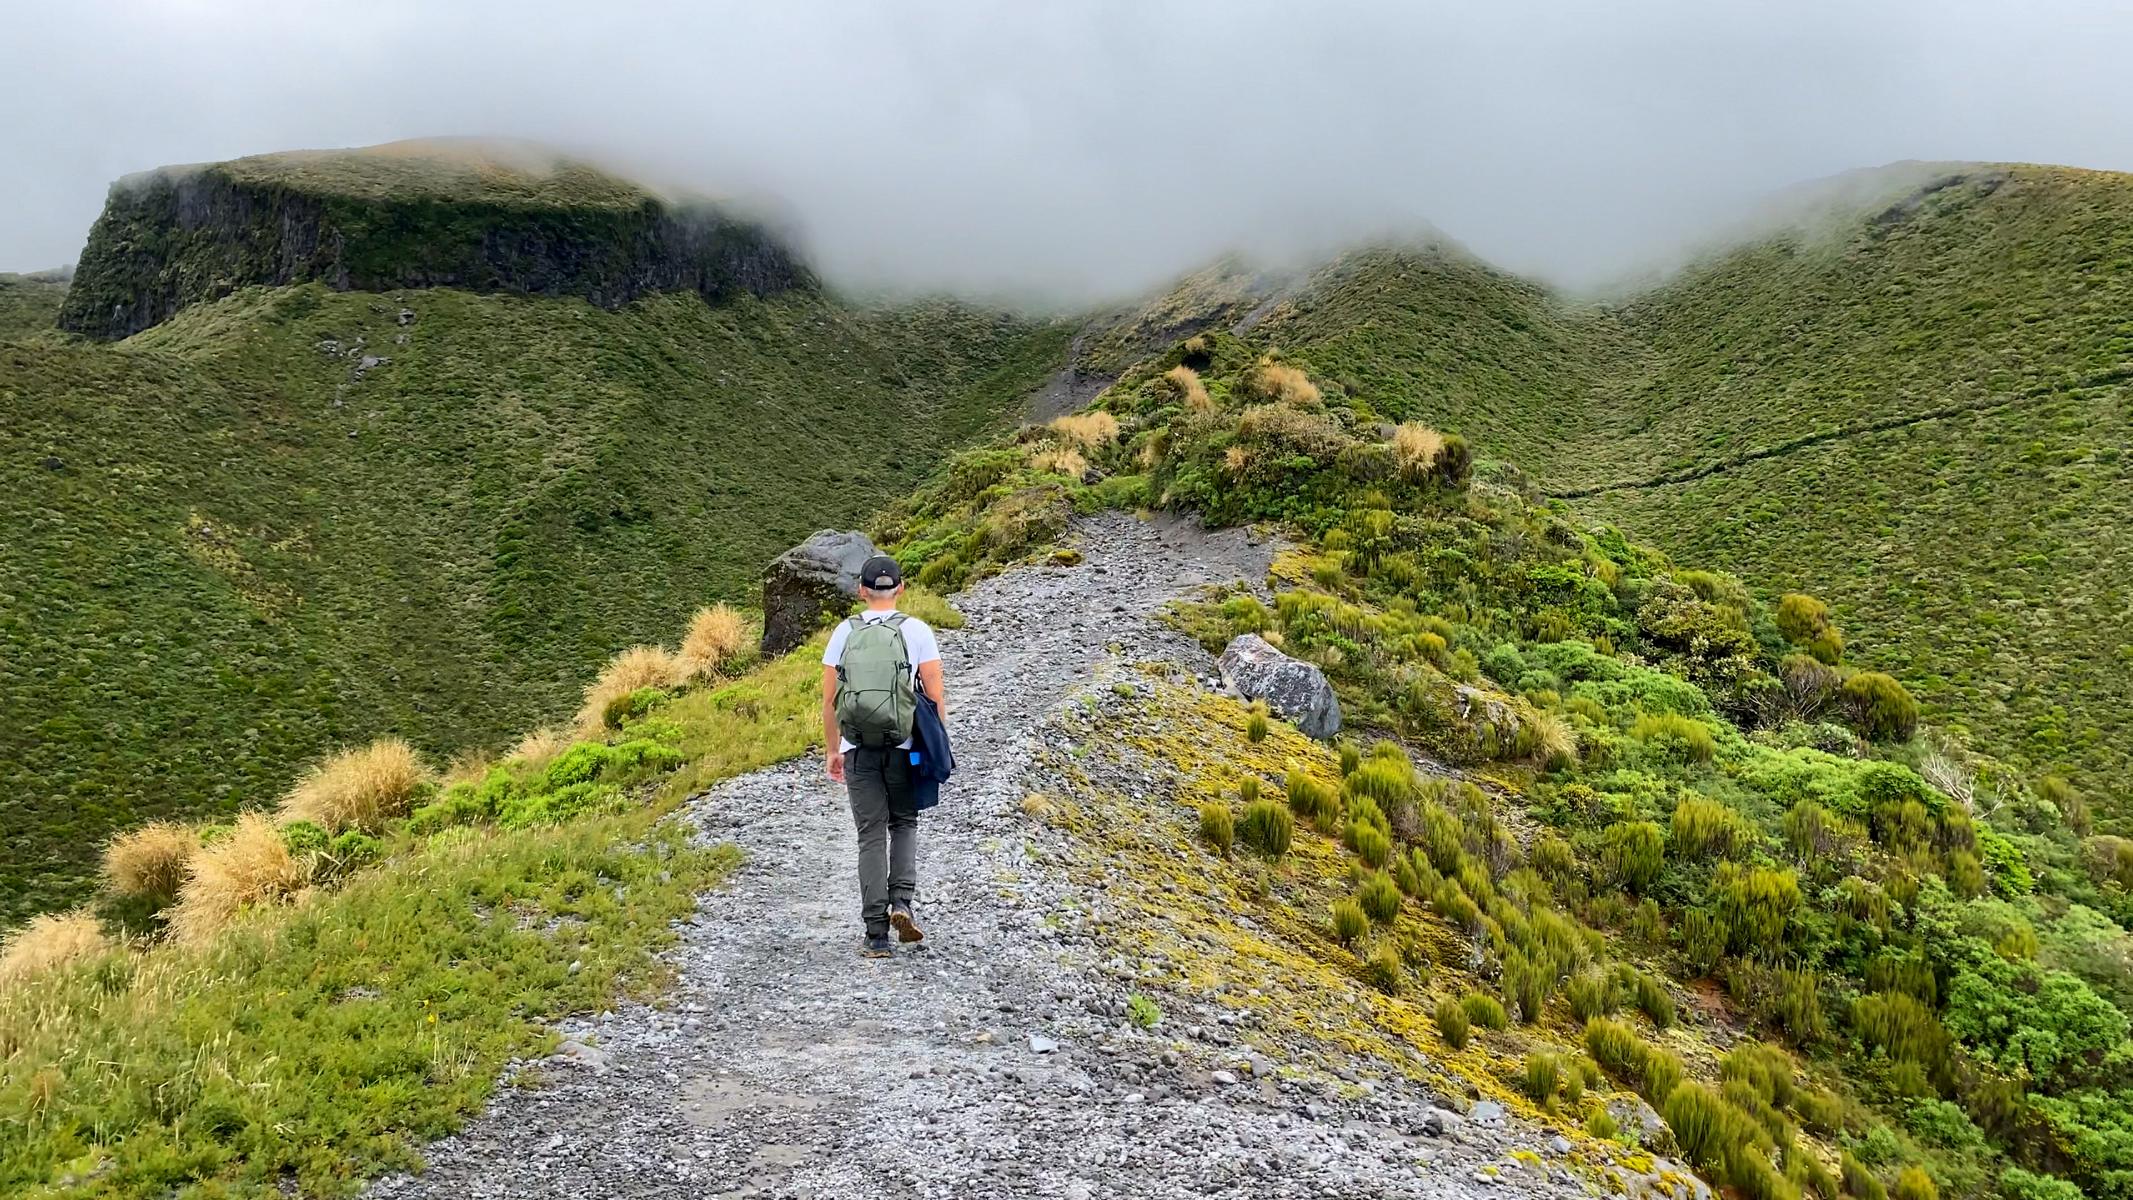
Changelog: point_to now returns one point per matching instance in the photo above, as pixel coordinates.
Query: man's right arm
(834, 758)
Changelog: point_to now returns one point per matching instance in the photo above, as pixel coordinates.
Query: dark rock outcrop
(818, 577)
(1295, 690)
(178, 237)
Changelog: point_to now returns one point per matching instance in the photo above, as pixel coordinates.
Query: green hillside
(28, 304)
(1921, 410)
(230, 546)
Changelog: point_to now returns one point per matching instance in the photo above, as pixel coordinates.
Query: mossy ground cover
(232, 549)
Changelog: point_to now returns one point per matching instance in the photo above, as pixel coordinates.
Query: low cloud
(1075, 151)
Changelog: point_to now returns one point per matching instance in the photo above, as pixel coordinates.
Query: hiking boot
(877, 946)
(907, 929)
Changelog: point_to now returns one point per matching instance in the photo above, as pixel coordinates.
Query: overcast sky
(1086, 148)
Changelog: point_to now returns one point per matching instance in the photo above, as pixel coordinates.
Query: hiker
(871, 671)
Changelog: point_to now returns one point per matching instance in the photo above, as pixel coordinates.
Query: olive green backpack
(876, 701)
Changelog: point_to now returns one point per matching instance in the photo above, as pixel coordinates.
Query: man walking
(871, 671)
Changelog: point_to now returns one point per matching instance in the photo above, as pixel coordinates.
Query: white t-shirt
(919, 645)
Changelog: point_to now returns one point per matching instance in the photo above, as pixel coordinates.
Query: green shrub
(1553, 858)
(1351, 758)
(1452, 1022)
(1879, 707)
(1248, 789)
(1703, 940)
(1380, 898)
(1912, 1183)
(1268, 828)
(1758, 906)
(1484, 1010)
(304, 837)
(354, 848)
(1383, 970)
(2018, 1184)
(1407, 877)
(1350, 922)
(1821, 1112)
(1217, 826)
(1600, 1123)
(1675, 738)
(1142, 1011)
(525, 810)
(1634, 853)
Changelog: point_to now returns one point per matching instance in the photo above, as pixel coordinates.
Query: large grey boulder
(814, 579)
(1294, 689)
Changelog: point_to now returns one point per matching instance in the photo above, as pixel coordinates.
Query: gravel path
(993, 1063)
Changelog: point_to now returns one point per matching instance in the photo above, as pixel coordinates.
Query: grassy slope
(28, 305)
(250, 555)
(1980, 555)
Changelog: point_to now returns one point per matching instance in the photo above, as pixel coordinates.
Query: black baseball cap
(880, 573)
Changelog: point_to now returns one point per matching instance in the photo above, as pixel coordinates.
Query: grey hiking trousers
(879, 784)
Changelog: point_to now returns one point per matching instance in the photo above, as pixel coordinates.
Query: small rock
(1225, 1078)
(1486, 1112)
(1559, 1144)
(1042, 1044)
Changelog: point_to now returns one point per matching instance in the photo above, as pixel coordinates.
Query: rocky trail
(992, 1062)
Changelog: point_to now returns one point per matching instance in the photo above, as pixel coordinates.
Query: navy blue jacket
(933, 761)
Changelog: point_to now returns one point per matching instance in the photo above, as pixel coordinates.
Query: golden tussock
(635, 668)
(1060, 460)
(149, 861)
(48, 942)
(1283, 383)
(252, 865)
(1184, 383)
(541, 747)
(1236, 459)
(357, 789)
(713, 643)
(1416, 446)
(1089, 430)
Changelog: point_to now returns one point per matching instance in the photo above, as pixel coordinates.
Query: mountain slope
(294, 517)
(1920, 409)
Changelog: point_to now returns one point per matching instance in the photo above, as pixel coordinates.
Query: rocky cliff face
(178, 237)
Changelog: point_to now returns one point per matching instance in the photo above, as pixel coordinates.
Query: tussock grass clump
(1092, 430)
(149, 862)
(1912, 1183)
(1183, 384)
(1282, 384)
(1486, 1011)
(1654, 1073)
(1452, 1022)
(1860, 1182)
(358, 789)
(541, 747)
(1217, 827)
(1416, 446)
(1383, 970)
(633, 670)
(1634, 853)
(1542, 1078)
(1060, 460)
(1370, 843)
(1350, 922)
(717, 636)
(1702, 827)
(1380, 898)
(1267, 827)
(251, 865)
(48, 942)
(1256, 726)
